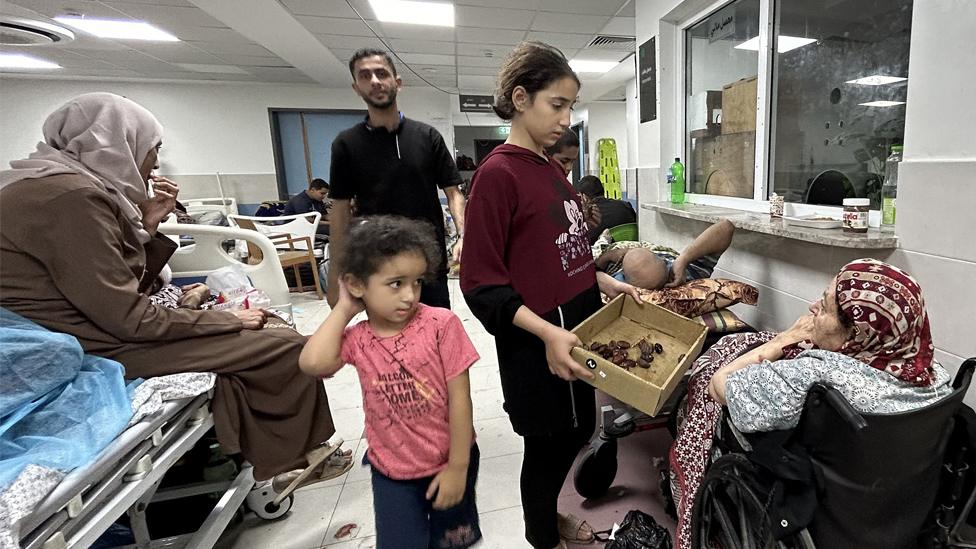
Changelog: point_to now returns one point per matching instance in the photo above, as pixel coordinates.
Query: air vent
(611, 42)
(15, 31)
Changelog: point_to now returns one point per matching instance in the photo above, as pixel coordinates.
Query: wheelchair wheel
(728, 513)
(596, 469)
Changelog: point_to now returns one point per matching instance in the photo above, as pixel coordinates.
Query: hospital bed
(204, 253)
(125, 477)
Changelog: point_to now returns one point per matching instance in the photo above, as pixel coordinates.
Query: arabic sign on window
(647, 65)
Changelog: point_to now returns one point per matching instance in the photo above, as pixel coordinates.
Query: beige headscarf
(102, 136)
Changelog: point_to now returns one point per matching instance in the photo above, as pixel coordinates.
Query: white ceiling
(311, 40)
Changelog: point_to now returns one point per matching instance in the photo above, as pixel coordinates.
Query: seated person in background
(313, 199)
(868, 337)
(612, 212)
(565, 151)
(653, 267)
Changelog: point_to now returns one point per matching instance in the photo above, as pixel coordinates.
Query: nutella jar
(856, 215)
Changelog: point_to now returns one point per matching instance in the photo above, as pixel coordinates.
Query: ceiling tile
(189, 75)
(54, 8)
(521, 4)
(210, 34)
(477, 71)
(427, 59)
(169, 18)
(177, 53)
(629, 10)
(486, 83)
(219, 48)
(253, 61)
(417, 32)
(471, 61)
(621, 26)
(334, 25)
(323, 8)
(67, 59)
(569, 22)
(499, 18)
(479, 50)
(421, 46)
(338, 41)
(601, 7)
(562, 40)
(489, 36)
(279, 74)
(131, 59)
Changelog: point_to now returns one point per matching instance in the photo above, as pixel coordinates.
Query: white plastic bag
(228, 278)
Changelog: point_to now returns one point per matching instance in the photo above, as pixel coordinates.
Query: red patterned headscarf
(891, 327)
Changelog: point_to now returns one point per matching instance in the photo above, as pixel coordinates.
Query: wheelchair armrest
(965, 374)
(843, 408)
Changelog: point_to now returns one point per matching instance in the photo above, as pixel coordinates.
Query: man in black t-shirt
(314, 199)
(392, 165)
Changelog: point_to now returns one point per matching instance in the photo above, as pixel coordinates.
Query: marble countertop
(874, 239)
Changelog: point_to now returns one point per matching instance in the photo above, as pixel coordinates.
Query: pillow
(702, 296)
(722, 322)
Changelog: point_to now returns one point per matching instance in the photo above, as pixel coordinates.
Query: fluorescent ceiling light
(416, 13)
(877, 80)
(585, 65)
(783, 44)
(119, 30)
(20, 61)
(882, 103)
(214, 69)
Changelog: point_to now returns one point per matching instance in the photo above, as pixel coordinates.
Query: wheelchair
(842, 479)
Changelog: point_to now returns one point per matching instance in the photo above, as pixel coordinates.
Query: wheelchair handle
(846, 411)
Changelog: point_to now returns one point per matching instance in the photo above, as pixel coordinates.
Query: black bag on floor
(640, 531)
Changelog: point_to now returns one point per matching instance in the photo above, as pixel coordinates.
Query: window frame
(765, 105)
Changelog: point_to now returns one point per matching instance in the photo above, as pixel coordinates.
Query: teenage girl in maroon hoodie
(528, 276)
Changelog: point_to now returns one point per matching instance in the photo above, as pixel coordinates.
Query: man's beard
(390, 100)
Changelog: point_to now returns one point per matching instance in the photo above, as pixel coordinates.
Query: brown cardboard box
(739, 106)
(724, 165)
(647, 390)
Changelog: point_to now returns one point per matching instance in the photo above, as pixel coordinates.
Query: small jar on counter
(856, 215)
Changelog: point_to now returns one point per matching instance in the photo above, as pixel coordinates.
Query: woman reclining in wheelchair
(868, 340)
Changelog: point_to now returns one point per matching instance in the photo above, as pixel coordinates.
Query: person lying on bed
(78, 251)
(653, 267)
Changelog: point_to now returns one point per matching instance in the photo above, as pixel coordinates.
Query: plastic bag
(228, 278)
(640, 531)
(242, 298)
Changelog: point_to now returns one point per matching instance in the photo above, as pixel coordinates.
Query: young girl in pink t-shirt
(413, 365)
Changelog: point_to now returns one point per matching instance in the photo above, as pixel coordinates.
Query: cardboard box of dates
(638, 353)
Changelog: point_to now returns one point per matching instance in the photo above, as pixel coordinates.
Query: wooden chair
(293, 250)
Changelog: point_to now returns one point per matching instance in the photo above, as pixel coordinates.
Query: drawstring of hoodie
(572, 395)
(397, 138)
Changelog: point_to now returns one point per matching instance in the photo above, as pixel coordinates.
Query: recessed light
(436, 14)
(877, 80)
(588, 66)
(118, 30)
(783, 43)
(882, 103)
(20, 61)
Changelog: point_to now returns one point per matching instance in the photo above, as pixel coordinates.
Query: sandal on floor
(574, 529)
(325, 462)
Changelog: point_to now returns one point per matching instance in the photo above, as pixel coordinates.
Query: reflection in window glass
(840, 86)
(721, 71)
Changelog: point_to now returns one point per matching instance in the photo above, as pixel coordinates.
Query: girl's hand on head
(348, 302)
(559, 344)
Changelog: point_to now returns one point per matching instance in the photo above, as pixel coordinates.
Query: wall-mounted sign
(647, 79)
(476, 103)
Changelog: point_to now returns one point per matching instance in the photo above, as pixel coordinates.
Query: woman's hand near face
(160, 205)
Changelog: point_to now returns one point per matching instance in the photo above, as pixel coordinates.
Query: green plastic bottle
(676, 176)
(889, 191)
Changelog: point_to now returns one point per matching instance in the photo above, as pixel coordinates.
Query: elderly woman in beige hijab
(79, 247)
